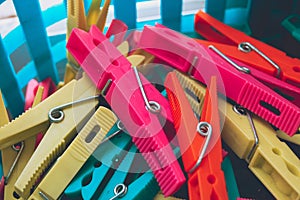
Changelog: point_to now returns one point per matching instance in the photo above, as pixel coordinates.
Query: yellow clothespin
(76, 19)
(96, 15)
(14, 158)
(71, 104)
(123, 48)
(67, 119)
(294, 139)
(67, 166)
(149, 58)
(254, 140)
(271, 160)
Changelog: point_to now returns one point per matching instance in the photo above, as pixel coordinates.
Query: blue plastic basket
(28, 52)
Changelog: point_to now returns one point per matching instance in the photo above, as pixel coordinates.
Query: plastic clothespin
(76, 19)
(123, 85)
(110, 173)
(238, 133)
(291, 24)
(267, 58)
(288, 91)
(65, 119)
(271, 160)
(32, 95)
(294, 139)
(200, 143)
(14, 158)
(161, 197)
(73, 158)
(96, 15)
(200, 62)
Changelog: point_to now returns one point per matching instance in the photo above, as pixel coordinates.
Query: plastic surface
(290, 92)
(81, 148)
(188, 56)
(273, 163)
(215, 31)
(53, 144)
(100, 167)
(207, 181)
(103, 62)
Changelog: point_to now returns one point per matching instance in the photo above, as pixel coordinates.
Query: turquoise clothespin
(126, 11)
(231, 185)
(109, 166)
(292, 24)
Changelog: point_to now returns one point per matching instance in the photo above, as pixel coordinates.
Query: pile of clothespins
(142, 114)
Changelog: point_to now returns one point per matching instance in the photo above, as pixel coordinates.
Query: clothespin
(294, 139)
(14, 158)
(123, 85)
(70, 162)
(161, 197)
(200, 143)
(65, 119)
(4, 119)
(96, 15)
(271, 160)
(201, 62)
(111, 173)
(255, 141)
(288, 91)
(267, 58)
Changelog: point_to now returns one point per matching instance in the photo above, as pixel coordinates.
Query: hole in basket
(270, 107)
(211, 179)
(86, 180)
(192, 94)
(92, 134)
(15, 195)
(276, 151)
(296, 69)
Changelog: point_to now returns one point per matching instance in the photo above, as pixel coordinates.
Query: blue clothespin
(106, 174)
(171, 13)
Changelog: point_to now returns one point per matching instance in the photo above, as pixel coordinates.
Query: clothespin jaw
(262, 72)
(123, 85)
(36, 119)
(255, 141)
(115, 162)
(266, 57)
(201, 62)
(14, 158)
(107, 156)
(76, 154)
(202, 159)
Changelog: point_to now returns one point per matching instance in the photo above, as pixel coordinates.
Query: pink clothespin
(144, 112)
(201, 62)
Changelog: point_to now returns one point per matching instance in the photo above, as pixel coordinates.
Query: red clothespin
(234, 81)
(288, 91)
(144, 112)
(259, 55)
(200, 143)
